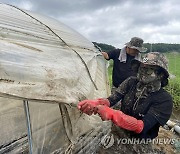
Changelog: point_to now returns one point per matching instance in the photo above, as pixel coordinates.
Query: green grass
(174, 63)
(174, 84)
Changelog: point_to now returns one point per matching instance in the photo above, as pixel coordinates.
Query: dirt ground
(167, 148)
(160, 147)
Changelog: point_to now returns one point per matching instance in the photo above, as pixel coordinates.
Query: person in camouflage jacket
(145, 105)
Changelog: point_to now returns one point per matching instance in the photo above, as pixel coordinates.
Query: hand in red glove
(88, 106)
(120, 119)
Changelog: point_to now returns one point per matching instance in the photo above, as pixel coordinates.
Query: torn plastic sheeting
(40, 76)
(50, 132)
(54, 65)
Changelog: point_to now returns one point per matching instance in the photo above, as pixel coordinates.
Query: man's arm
(113, 54)
(158, 114)
(121, 91)
(106, 56)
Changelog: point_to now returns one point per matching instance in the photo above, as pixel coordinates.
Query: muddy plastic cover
(52, 67)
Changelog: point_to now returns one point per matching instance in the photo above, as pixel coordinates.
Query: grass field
(174, 83)
(174, 63)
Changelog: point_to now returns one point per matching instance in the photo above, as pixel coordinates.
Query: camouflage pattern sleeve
(120, 92)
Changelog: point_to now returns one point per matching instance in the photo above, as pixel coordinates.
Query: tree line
(159, 47)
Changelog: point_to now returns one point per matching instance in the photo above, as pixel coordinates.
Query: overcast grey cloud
(113, 21)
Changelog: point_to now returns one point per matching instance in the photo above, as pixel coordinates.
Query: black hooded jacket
(154, 110)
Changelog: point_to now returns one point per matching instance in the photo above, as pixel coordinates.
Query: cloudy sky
(113, 21)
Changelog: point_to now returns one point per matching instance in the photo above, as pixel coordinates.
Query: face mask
(147, 74)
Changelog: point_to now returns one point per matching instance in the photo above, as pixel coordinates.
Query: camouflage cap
(136, 43)
(155, 59)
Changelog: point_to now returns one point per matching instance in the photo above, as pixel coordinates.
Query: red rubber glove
(89, 106)
(120, 119)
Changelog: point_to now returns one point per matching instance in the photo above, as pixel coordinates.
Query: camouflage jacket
(154, 108)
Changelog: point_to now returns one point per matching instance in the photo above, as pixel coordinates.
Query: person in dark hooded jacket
(145, 105)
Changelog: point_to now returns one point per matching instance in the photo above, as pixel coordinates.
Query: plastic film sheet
(50, 67)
